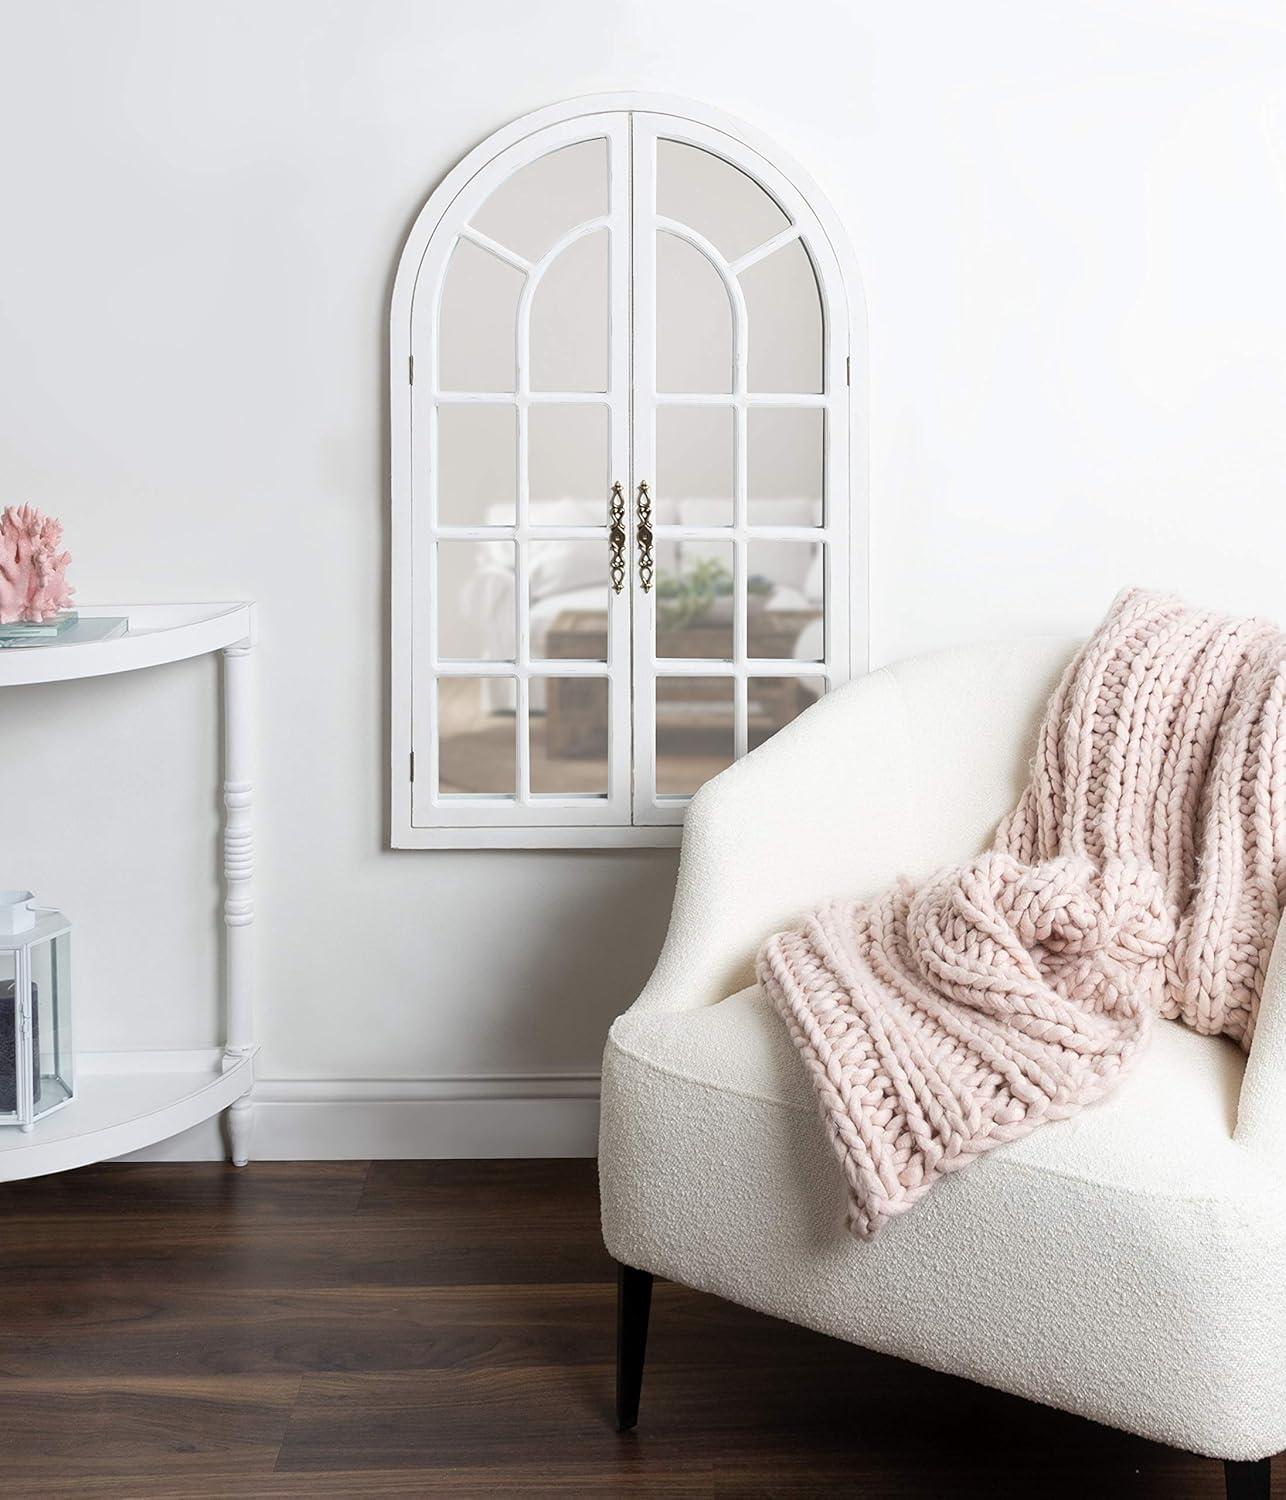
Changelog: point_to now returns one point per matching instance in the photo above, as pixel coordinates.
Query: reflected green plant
(686, 597)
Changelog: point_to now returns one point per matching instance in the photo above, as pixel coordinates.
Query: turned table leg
(238, 875)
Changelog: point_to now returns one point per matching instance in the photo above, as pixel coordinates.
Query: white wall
(1071, 221)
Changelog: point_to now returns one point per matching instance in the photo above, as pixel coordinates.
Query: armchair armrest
(1261, 1107)
(822, 809)
(897, 773)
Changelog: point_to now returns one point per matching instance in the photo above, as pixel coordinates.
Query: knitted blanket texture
(1142, 873)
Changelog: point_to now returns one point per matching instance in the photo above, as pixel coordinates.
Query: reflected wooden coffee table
(687, 710)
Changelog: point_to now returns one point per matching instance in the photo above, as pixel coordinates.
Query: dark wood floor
(445, 1328)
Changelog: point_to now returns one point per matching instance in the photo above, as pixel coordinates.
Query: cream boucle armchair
(1128, 1264)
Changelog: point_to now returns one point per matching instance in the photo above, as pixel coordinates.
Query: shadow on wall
(576, 962)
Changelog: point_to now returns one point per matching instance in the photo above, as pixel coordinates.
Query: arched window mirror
(629, 521)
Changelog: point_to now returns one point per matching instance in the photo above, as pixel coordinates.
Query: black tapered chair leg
(1248, 1479)
(633, 1304)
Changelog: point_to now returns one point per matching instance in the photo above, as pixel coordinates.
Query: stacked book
(65, 629)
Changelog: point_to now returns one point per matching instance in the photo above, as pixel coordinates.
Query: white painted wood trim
(847, 444)
(418, 1090)
(624, 837)
(315, 1119)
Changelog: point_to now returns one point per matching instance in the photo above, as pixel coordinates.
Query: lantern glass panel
(36, 1058)
(51, 1010)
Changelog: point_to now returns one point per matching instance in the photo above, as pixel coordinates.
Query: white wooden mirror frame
(632, 814)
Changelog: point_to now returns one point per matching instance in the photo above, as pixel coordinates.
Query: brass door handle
(643, 528)
(616, 538)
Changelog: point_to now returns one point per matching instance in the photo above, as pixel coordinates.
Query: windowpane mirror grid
(569, 736)
(785, 600)
(569, 319)
(695, 734)
(590, 226)
(784, 317)
(568, 454)
(785, 465)
(476, 746)
(568, 605)
(694, 325)
(536, 206)
(478, 321)
(694, 465)
(694, 599)
(475, 601)
(772, 702)
(477, 459)
(723, 204)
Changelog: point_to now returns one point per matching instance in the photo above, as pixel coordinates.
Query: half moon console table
(128, 1100)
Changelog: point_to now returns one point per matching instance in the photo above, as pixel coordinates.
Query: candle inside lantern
(37, 1065)
(9, 1045)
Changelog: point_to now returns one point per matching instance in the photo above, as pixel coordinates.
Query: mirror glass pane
(772, 702)
(694, 599)
(476, 751)
(784, 314)
(529, 211)
(715, 198)
(479, 321)
(569, 736)
(475, 601)
(567, 463)
(784, 597)
(569, 316)
(694, 465)
(476, 464)
(784, 465)
(567, 582)
(694, 321)
(694, 732)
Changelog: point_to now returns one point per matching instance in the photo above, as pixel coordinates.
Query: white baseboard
(353, 1119)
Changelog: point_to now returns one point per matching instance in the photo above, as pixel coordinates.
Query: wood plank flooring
(445, 1328)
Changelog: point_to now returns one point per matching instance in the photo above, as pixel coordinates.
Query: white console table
(128, 1100)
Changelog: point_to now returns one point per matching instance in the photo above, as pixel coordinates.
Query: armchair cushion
(1125, 1264)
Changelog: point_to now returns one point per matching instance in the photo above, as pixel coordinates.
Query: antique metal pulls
(643, 526)
(616, 539)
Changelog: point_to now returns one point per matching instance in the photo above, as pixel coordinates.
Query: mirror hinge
(412, 765)
(410, 369)
(848, 369)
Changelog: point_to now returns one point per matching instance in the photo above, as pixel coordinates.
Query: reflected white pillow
(558, 567)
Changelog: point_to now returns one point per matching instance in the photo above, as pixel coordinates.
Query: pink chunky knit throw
(1142, 873)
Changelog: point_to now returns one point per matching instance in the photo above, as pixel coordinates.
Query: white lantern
(37, 1073)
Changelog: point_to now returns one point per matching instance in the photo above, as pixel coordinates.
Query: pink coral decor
(1142, 873)
(33, 582)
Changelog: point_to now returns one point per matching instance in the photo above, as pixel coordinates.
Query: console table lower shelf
(125, 1101)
